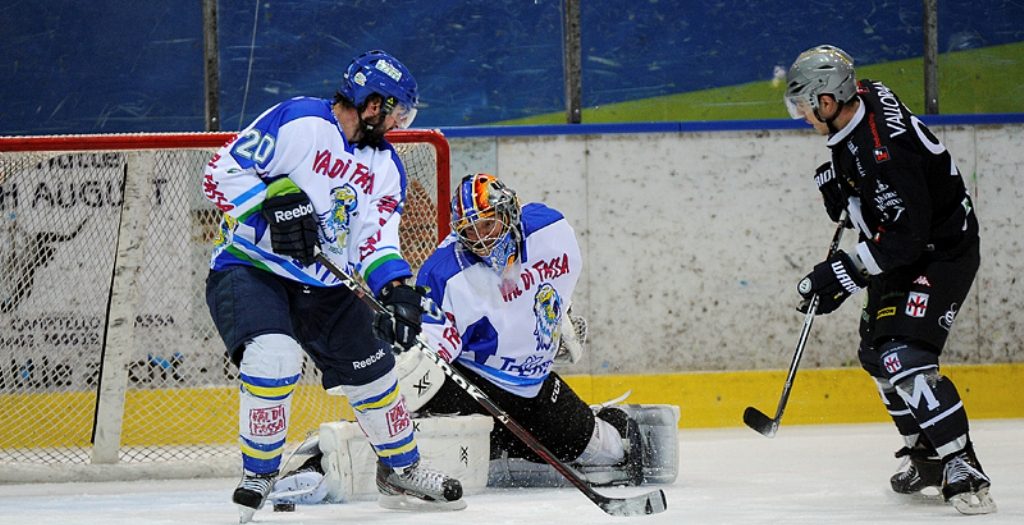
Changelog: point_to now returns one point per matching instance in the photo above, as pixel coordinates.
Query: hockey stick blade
(642, 505)
(761, 423)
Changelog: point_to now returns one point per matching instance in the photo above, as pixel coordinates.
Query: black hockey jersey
(905, 193)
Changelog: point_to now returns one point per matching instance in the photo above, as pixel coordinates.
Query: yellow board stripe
(706, 399)
(836, 395)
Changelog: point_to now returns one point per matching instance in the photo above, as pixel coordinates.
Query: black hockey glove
(828, 185)
(293, 223)
(406, 306)
(833, 281)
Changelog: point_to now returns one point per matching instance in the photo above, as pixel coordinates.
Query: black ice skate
(251, 493)
(418, 488)
(965, 485)
(920, 470)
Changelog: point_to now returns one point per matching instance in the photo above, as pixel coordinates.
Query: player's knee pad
(899, 360)
(271, 356)
(269, 370)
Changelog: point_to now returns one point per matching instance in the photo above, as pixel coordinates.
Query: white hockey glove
(573, 339)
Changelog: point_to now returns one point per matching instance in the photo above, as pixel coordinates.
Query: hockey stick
(650, 503)
(753, 417)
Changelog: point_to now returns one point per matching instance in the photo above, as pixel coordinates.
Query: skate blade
(973, 503)
(403, 502)
(245, 514)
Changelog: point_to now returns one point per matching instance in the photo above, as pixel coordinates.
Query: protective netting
(60, 218)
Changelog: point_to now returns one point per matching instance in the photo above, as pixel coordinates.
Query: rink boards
(706, 399)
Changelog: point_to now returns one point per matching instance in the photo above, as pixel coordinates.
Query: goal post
(110, 366)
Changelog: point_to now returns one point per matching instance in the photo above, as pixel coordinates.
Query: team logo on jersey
(946, 321)
(892, 363)
(344, 201)
(224, 235)
(547, 310)
(881, 154)
(917, 304)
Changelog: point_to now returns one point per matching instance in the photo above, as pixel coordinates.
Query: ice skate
(418, 488)
(965, 485)
(252, 493)
(303, 486)
(921, 469)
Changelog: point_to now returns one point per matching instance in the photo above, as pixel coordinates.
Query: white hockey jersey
(508, 335)
(357, 193)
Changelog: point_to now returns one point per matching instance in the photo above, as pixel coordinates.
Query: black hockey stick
(753, 417)
(650, 503)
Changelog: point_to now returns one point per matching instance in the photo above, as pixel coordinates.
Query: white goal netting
(108, 355)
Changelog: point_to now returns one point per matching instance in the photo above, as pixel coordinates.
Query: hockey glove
(833, 281)
(405, 304)
(828, 185)
(293, 223)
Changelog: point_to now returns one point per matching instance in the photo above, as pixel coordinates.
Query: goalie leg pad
(459, 446)
(269, 370)
(658, 427)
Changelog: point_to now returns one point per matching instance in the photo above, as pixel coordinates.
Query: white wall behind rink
(693, 243)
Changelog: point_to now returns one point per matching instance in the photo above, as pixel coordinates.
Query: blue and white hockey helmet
(485, 217)
(376, 72)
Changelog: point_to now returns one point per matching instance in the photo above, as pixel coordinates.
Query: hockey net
(110, 366)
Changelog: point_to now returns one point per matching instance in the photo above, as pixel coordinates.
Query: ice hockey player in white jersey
(504, 279)
(313, 176)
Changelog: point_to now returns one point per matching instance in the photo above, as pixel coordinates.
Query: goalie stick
(649, 503)
(753, 417)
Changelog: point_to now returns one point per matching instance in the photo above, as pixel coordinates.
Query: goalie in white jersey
(307, 175)
(505, 279)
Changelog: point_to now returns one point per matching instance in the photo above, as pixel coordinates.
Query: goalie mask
(821, 70)
(485, 217)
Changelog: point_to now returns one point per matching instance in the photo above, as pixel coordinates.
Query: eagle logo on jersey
(547, 309)
(344, 201)
(224, 234)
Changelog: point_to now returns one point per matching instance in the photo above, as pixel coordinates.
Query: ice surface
(835, 474)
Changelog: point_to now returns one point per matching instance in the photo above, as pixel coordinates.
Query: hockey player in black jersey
(917, 255)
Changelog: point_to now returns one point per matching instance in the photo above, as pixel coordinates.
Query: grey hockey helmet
(821, 70)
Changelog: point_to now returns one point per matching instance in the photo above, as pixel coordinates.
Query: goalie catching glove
(292, 220)
(833, 280)
(405, 304)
